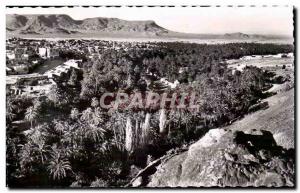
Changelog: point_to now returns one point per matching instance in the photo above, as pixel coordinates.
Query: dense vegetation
(67, 139)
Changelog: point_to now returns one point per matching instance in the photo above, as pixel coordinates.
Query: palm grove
(67, 139)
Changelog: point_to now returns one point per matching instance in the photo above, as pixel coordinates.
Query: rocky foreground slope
(225, 158)
(278, 119)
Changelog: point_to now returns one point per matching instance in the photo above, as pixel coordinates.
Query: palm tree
(95, 75)
(98, 117)
(54, 94)
(58, 166)
(117, 124)
(37, 105)
(186, 118)
(31, 114)
(10, 115)
(60, 126)
(87, 115)
(73, 78)
(26, 157)
(36, 136)
(174, 120)
(95, 102)
(94, 133)
(42, 149)
(87, 86)
(9, 110)
(74, 113)
(69, 134)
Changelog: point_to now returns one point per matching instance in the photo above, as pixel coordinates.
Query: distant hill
(243, 36)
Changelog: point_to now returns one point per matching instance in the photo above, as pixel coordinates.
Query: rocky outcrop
(279, 119)
(225, 158)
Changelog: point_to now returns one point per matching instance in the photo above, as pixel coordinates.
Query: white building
(10, 55)
(64, 68)
(21, 69)
(43, 52)
(48, 52)
(170, 84)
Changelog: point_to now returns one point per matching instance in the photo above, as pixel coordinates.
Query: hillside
(254, 151)
(226, 158)
(278, 119)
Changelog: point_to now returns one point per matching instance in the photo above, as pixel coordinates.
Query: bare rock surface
(278, 119)
(228, 158)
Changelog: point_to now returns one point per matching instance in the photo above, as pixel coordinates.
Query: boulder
(225, 158)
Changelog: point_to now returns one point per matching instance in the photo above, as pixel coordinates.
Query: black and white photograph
(149, 97)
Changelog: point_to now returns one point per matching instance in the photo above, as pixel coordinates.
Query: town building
(46, 52)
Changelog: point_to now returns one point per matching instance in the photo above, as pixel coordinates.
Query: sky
(202, 20)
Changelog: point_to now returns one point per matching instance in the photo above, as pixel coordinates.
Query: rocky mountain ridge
(61, 25)
(64, 24)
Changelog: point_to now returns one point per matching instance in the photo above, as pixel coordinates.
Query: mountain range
(61, 25)
(64, 24)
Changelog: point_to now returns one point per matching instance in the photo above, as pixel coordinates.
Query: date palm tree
(26, 157)
(98, 116)
(37, 138)
(10, 110)
(94, 133)
(31, 114)
(42, 148)
(69, 135)
(58, 165)
(74, 113)
(95, 102)
(117, 124)
(87, 115)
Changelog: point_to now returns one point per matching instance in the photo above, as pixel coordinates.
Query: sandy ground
(132, 37)
(271, 62)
